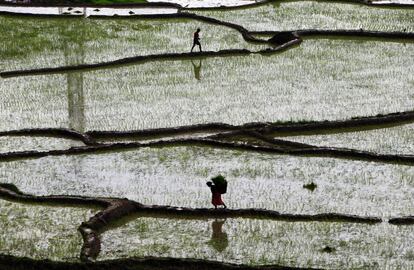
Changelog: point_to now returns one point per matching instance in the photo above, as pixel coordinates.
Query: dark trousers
(196, 43)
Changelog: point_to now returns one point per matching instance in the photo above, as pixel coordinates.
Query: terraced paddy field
(111, 128)
(274, 182)
(74, 41)
(351, 78)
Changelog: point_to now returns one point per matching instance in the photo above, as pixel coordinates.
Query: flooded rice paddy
(73, 41)
(177, 176)
(41, 232)
(320, 79)
(286, 243)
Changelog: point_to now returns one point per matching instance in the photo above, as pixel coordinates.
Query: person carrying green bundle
(218, 186)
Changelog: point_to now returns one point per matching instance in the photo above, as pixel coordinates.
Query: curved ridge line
(12, 193)
(284, 144)
(275, 128)
(393, 119)
(134, 263)
(247, 36)
(52, 132)
(129, 60)
(342, 32)
(221, 53)
(356, 33)
(407, 220)
(301, 149)
(116, 209)
(307, 151)
(133, 60)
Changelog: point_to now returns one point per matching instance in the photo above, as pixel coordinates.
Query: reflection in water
(74, 54)
(276, 4)
(76, 101)
(196, 69)
(72, 38)
(219, 240)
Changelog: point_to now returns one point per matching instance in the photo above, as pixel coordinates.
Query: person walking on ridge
(196, 39)
(219, 187)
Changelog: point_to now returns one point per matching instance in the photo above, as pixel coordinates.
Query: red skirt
(217, 199)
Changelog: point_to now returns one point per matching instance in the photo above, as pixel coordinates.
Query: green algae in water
(177, 176)
(41, 232)
(258, 242)
(299, 15)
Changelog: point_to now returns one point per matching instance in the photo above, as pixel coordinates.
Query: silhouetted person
(196, 69)
(196, 40)
(216, 195)
(219, 239)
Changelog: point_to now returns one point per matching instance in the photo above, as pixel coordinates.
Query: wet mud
(148, 263)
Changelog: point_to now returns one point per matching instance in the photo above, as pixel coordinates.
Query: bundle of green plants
(221, 183)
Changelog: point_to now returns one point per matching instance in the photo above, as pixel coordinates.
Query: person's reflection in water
(219, 240)
(196, 69)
